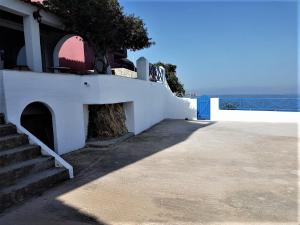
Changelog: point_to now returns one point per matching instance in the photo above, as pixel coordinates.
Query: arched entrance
(37, 119)
(72, 52)
(21, 58)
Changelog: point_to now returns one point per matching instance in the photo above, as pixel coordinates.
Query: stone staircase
(24, 172)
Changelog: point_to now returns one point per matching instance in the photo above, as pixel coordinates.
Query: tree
(172, 79)
(103, 25)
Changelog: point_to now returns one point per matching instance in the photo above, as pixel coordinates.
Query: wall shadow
(92, 164)
(151, 141)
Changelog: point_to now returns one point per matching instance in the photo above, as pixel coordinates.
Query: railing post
(214, 109)
(163, 72)
(142, 67)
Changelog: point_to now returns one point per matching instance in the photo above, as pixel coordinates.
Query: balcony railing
(155, 73)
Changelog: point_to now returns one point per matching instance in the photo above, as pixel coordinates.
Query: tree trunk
(107, 121)
(101, 64)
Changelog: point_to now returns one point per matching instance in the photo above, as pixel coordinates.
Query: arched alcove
(37, 118)
(71, 51)
(21, 58)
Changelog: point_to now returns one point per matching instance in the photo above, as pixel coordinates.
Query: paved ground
(178, 172)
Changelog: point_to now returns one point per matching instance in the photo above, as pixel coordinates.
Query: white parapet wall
(125, 72)
(251, 116)
(67, 96)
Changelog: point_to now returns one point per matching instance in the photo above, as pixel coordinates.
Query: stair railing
(59, 161)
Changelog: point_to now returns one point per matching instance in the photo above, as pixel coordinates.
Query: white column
(32, 43)
(2, 99)
(142, 67)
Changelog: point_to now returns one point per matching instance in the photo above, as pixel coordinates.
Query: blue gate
(203, 108)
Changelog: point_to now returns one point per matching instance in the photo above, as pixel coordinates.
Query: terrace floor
(178, 172)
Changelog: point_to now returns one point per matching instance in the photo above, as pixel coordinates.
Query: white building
(28, 89)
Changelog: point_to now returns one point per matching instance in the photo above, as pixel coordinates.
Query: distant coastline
(257, 96)
(288, 102)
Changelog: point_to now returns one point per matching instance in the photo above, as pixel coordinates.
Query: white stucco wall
(251, 116)
(147, 103)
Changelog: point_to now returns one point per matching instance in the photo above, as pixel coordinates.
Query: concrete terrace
(178, 172)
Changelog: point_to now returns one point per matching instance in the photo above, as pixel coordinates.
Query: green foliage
(173, 81)
(101, 23)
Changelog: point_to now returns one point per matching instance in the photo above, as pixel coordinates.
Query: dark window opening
(37, 119)
(11, 39)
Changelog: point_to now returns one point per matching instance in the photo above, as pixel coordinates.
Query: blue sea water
(289, 103)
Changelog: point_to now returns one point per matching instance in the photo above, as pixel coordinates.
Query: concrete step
(96, 143)
(7, 129)
(2, 118)
(9, 175)
(24, 172)
(30, 186)
(19, 154)
(13, 141)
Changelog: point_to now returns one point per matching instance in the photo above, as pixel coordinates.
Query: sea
(288, 103)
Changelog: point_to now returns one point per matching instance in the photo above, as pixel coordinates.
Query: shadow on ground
(154, 140)
(90, 165)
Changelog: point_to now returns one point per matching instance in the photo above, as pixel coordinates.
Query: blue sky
(224, 47)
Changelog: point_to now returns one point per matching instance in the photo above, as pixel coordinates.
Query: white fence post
(163, 72)
(142, 67)
(33, 43)
(214, 109)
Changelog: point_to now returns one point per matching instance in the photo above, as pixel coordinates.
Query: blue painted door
(203, 107)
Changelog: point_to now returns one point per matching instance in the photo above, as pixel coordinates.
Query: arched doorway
(71, 51)
(21, 58)
(37, 119)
